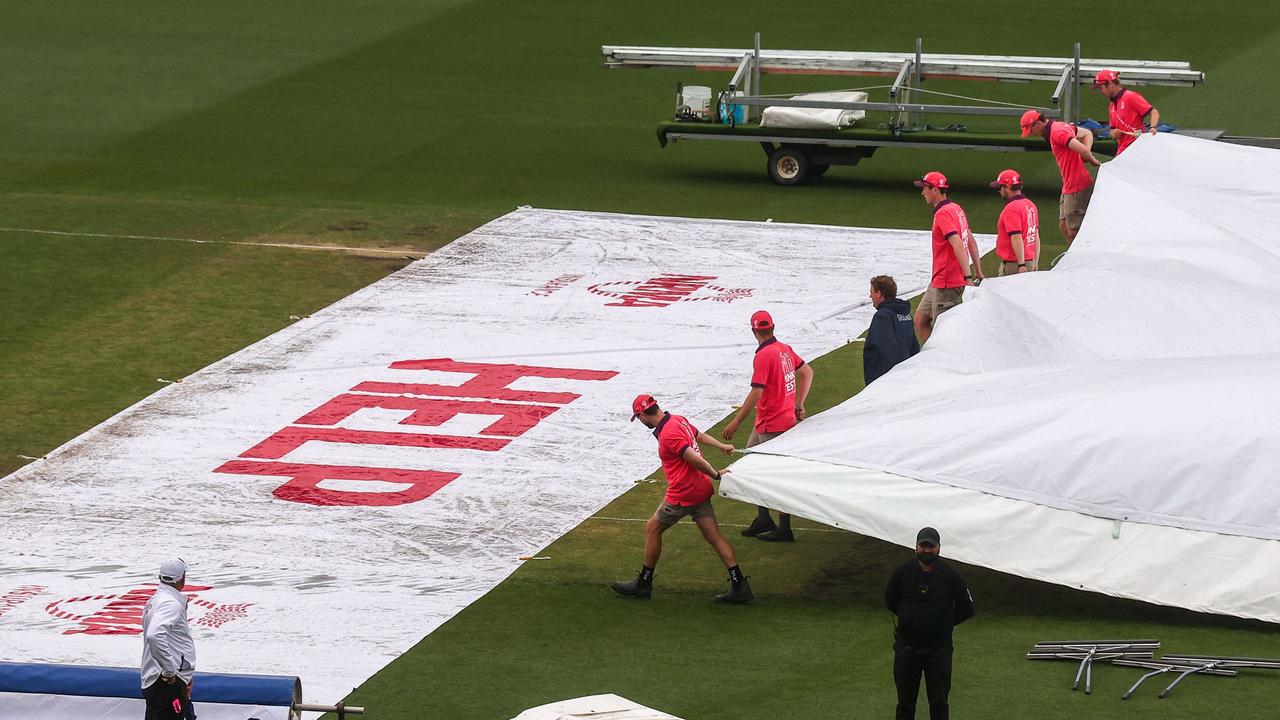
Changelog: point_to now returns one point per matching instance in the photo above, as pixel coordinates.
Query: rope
(974, 99)
(987, 101)
(860, 89)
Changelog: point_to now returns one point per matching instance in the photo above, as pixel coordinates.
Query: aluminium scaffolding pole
(986, 67)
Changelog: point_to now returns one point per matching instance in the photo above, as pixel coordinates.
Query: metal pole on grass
(342, 709)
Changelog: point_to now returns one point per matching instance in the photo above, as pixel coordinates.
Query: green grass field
(398, 125)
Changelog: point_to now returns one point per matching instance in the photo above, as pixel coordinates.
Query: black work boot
(762, 524)
(637, 588)
(782, 533)
(778, 535)
(738, 594)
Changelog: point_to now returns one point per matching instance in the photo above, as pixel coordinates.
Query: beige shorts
(669, 514)
(755, 438)
(1072, 206)
(1011, 268)
(939, 300)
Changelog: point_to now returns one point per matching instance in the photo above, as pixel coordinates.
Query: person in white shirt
(168, 652)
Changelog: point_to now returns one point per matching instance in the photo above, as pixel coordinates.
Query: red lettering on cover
(515, 419)
(490, 381)
(121, 616)
(17, 596)
(662, 291)
(304, 481)
(290, 438)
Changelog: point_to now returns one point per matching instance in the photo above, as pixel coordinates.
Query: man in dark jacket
(929, 598)
(892, 337)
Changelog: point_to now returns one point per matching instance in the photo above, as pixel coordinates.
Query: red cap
(641, 404)
(1007, 177)
(933, 179)
(1106, 76)
(1028, 118)
(761, 320)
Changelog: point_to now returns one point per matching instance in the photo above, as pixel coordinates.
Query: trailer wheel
(788, 166)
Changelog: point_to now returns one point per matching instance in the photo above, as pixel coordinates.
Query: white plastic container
(698, 99)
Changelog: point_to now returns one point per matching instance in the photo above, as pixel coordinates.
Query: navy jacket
(891, 339)
(928, 604)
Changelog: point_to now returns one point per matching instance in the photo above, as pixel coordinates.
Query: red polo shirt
(774, 372)
(1127, 111)
(686, 485)
(1075, 177)
(1018, 216)
(948, 219)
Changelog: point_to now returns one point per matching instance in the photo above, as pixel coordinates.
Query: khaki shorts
(1072, 206)
(756, 437)
(669, 514)
(1011, 268)
(939, 300)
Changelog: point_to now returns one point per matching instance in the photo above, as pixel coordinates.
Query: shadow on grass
(844, 576)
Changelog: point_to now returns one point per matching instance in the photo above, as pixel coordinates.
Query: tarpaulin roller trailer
(796, 155)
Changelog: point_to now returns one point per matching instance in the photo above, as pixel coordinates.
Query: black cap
(928, 536)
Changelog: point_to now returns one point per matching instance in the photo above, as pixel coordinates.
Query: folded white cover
(815, 118)
(600, 707)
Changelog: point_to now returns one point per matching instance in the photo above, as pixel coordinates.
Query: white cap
(173, 570)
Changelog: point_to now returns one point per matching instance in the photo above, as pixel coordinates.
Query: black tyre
(788, 166)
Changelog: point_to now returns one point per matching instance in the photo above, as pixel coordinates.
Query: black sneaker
(737, 595)
(633, 588)
(777, 535)
(759, 525)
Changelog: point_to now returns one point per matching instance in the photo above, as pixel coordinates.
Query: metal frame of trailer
(794, 157)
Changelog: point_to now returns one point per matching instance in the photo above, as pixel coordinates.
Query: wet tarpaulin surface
(364, 474)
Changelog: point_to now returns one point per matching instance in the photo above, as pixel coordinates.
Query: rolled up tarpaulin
(35, 691)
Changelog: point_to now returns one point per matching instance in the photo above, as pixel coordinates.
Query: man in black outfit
(892, 337)
(929, 598)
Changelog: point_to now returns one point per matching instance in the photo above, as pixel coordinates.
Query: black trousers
(160, 697)
(908, 665)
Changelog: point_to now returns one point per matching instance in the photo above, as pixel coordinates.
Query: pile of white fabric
(815, 118)
(1107, 425)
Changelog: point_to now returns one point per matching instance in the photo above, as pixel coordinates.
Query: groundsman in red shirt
(1018, 229)
(780, 382)
(1127, 110)
(1072, 147)
(689, 492)
(956, 262)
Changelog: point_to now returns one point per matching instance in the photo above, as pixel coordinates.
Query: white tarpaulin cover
(595, 707)
(348, 484)
(1136, 382)
(815, 118)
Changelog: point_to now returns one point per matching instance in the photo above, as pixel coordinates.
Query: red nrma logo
(121, 614)
(666, 289)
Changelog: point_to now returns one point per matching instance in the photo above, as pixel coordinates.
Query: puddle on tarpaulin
(316, 582)
(93, 571)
